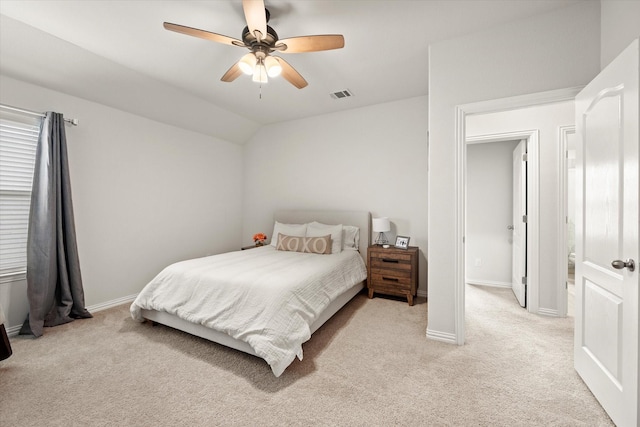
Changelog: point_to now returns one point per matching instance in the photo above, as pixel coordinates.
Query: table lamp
(380, 226)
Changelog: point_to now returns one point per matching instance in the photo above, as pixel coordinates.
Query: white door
(519, 248)
(606, 311)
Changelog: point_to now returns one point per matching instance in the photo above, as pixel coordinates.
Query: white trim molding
(548, 312)
(459, 231)
(491, 283)
(14, 330)
(532, 136)
(563, 214)
(441, 336)
(110, 304)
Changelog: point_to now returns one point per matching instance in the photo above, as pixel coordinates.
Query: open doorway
(539, 123)
(496, 194)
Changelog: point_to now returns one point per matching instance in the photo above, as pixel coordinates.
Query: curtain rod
(73, 122)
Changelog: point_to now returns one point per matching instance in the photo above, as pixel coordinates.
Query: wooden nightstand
(392, 271)
(244, 248)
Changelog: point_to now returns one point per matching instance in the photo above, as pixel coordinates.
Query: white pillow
(297, 230)
(350, 237)
(311, 245)
(317, 229)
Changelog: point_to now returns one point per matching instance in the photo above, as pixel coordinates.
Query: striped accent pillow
(313, 245)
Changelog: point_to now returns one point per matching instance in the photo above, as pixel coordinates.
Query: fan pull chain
(260, 97)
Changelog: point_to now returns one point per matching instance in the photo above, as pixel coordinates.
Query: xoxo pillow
(312, 245)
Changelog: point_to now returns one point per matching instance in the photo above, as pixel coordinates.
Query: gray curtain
(54, 283)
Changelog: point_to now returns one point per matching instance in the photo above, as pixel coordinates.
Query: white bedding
(262, 296)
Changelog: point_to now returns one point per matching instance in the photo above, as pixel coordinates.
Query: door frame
(563, 194)
(532, 138)
(461, 112)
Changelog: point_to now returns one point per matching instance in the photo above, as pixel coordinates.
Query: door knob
(510, 227)
(619, 264)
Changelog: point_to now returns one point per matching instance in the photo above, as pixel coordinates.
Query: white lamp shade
(381, 225)
(260, 74)
(273, 66)
(247, 63)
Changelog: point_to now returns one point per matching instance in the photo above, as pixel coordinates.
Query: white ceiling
(117, 53)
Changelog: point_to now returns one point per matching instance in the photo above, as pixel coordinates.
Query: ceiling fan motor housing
(265, 44)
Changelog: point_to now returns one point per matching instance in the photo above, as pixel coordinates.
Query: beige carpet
(370, 365)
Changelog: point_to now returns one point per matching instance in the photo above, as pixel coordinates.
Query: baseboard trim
(548, 312)
(441, 336)
(493, 283)
(112, 303)
(14, 330)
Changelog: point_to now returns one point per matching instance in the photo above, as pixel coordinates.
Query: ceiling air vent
(341, 94)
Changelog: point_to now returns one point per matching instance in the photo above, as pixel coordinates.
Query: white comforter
(262, 296)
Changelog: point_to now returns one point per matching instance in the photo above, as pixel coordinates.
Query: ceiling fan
(262, 41)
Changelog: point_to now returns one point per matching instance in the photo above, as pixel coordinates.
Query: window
(18, 142)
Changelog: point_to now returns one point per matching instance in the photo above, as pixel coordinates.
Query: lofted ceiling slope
(117, 53)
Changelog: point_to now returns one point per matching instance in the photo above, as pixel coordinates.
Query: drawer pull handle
(395, 261)
(392, 279)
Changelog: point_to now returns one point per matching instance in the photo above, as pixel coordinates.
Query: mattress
(264, 297)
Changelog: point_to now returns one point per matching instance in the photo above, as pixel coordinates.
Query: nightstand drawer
(391, 263)
(392, 255)
(398, 274)
(385, 279)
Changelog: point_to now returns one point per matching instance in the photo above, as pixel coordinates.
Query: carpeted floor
(370, 365)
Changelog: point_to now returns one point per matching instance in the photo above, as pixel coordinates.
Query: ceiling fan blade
(207, 35)
(232, 73)
(311, 43)
(254, 13)
(291, 75)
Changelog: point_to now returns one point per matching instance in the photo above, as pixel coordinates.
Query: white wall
(372, 158)
(489, 206)
(547, 119)
(551, 51)
(145, 194)
(620, 23)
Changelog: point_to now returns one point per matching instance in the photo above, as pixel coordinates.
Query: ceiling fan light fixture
(248, 63)
(262, 40)
(260, 73)
(273, 66)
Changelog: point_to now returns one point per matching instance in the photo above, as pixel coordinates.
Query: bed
(271, 308)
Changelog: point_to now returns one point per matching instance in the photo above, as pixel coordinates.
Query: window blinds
(18, 142)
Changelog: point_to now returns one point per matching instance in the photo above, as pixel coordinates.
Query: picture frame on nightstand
(402, 242)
